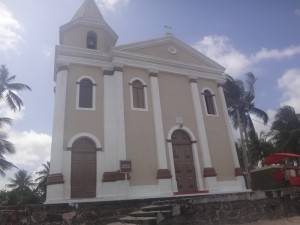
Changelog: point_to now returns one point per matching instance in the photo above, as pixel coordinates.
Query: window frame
(216, 114)
(93, 108)
(145, 94)
(92, 34)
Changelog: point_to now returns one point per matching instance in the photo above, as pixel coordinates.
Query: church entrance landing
(184, 162)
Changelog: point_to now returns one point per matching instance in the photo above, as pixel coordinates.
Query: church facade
(140, 120)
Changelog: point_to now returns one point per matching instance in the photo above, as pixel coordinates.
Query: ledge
(238, 172)
(209, 172)
(163, 174)
(56, 178)
(114, 176)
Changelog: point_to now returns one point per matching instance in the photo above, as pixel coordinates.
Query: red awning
(279, 157)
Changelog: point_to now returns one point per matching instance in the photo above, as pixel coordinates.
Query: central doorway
(83, 168)
(184, 162)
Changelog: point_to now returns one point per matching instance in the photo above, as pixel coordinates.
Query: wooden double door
(184, 162)
(83, 169)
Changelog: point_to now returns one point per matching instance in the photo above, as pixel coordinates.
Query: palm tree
(42, 179)
(5, 147)
(22, 181)
(240, 98)
(260, 146)
(8, 93)
(286, 130)
(8, 90)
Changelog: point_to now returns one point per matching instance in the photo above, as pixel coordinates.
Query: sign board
(125, 166)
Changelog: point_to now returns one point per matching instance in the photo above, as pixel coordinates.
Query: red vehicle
(289, 173)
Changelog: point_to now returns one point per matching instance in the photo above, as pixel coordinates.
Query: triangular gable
(170, 48)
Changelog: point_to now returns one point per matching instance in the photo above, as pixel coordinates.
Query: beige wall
(217, 134)
(176, 100)
(161, 51)
(140, 136)
(76, 36)
(83, 121)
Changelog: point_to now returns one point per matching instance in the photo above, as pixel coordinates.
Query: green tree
(8, 94)
(6, 147)
(8, 89)
(259, 146)
(240, 98)
(42, 180)
(285, 130)
(22, 181)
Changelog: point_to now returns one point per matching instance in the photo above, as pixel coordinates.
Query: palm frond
(18, 87)
(5, 121)
(260, 114)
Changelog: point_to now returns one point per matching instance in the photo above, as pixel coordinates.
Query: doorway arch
(83, 168)
(184, 162)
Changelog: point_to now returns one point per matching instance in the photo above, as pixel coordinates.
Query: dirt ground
(285, 221)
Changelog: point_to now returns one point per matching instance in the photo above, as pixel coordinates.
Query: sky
(259, 36)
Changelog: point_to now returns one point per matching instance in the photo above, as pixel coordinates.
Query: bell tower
(88, 29)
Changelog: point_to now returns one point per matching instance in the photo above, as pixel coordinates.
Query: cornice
(66, 55)
(167, 62)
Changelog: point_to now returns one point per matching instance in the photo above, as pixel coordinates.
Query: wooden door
(83, 169)
(184, 162)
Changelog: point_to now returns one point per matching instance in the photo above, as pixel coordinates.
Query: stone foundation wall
(197, 210)
(235, 212)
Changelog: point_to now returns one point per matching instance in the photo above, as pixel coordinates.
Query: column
(208, 170)
(238, 172)
(55, 188)
(163, 173)
(114, 183)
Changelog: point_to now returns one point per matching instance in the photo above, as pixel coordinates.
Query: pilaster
(209, 173)
(237, 170)
(55, 188)
(163, 173)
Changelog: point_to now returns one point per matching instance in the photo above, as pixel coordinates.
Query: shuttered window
(86, 93)
(138, 94)
(209, 101)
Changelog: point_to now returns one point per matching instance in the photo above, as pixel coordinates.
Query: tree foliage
(240, 99)
(285, 130)
(9, 94)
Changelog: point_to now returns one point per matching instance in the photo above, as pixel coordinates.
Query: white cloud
(297, 12)
(277, 53)
(32, 148)
(112, 4)
(10, 29)
(221, 49)
(289, 84)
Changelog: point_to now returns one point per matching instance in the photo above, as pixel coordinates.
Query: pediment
(173, 49)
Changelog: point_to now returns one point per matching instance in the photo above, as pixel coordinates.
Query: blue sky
(262, 36)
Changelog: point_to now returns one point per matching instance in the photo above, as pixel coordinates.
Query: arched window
(91, 40)
(86, 94)
(209, 102)
(138, 94)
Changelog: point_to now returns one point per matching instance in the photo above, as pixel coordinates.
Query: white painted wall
(56, 164)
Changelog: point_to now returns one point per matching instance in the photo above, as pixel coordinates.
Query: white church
(135, 121)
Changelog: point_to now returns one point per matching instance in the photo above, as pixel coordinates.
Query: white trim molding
(56, 192)
(198, 171)
(145, 94)
(88, 135)
(93, 108)
(231, 137)
(158, 124)
(210, 182)
(214, 102)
